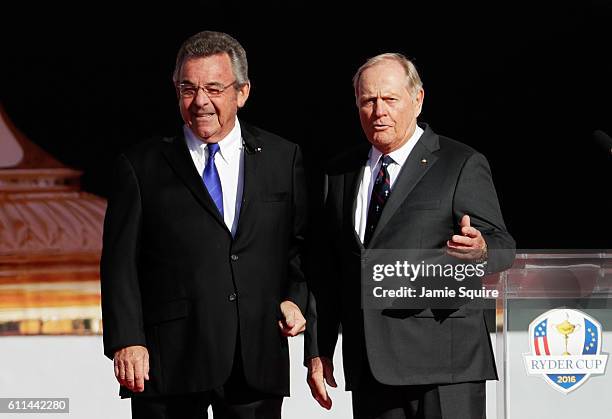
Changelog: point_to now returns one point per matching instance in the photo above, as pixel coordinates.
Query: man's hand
(293, 322)
(132, 367)
(321, 368)
(471, 245)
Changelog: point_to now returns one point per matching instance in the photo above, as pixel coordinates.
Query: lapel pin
(249, 149)
(423, 162)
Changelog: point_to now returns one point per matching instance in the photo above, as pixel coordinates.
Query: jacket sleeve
(475, 196)
(121, 302)
(297, 288)
(324, 302)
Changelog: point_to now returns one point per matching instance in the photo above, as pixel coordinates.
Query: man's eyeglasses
(189, 90)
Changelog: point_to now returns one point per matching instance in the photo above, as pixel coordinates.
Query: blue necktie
(380, 194)
(211, 177)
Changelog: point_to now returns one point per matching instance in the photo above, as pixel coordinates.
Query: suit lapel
(420, 160)
(252, 148)
(177, 154)
(352, 180)
(351, 192)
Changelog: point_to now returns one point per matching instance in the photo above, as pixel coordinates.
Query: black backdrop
(524, 84)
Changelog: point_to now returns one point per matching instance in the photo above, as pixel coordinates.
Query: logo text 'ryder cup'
(565, 348)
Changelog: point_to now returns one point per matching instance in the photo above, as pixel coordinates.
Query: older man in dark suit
(408, 189)
(201, 265)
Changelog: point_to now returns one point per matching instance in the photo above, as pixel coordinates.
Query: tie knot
(386, 160)
(212, 149)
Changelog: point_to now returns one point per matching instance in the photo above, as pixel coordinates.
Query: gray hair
(207, 43)
(412, 76)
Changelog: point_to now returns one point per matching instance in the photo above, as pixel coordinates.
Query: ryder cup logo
(565, 349)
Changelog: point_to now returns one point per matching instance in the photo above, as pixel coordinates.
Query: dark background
(525, 84)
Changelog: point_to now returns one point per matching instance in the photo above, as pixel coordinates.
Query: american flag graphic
(540, 339)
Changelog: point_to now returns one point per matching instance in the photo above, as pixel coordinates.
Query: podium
(553, 333)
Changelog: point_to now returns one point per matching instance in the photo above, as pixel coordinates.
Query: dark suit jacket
(426, 204)
(174, 279)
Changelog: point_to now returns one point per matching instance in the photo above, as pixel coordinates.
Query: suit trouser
(373, 400)
(234, 400)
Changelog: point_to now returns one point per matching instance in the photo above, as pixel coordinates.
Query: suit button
(232, 297)
(234, 257)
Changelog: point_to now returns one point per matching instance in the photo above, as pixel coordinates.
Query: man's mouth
(206, 115)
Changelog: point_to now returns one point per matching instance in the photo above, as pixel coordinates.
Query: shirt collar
(400, 155)
(228, 146)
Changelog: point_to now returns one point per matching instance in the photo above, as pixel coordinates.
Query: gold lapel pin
(423, 162)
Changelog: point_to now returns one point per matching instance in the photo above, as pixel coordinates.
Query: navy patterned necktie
(380, 194)
(211, 177)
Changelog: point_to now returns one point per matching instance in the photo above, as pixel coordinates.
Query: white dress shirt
(370, 172)
(230, 162)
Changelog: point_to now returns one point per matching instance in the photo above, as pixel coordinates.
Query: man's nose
(201, 98)
(380, 108)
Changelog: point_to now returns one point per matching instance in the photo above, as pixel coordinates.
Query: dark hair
(207, 43)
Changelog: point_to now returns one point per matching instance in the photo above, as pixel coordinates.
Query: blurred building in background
(50, 243)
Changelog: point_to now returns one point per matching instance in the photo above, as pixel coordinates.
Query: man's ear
(418, 102)
(243, 94)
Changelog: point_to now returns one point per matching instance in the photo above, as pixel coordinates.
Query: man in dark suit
(201, 263)
(408, 189)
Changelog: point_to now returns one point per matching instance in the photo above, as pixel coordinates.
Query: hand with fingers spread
(321, 371)
(470, 245)
(132, 367)
(293, 322)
